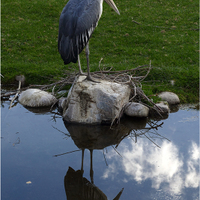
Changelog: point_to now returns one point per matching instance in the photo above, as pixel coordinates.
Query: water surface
(38, 148)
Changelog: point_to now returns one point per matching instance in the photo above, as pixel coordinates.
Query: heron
(77, 22)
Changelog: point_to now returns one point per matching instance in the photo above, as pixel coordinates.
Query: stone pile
(98, 103)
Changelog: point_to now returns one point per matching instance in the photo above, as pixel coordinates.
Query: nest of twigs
(132, 77)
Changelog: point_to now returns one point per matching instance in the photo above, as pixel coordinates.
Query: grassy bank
(166, 33)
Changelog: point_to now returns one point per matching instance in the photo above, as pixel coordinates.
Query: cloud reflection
(165, 165)
(192, 177)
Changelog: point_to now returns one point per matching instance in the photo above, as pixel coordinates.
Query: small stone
(136, 110)
(62, 104)
(163, 106)
(163, 110)
(36, 98)
(170, 97)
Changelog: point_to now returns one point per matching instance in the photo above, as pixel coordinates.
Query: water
(37, 151)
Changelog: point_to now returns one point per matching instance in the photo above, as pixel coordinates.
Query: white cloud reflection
(163, 165)
(192, 177)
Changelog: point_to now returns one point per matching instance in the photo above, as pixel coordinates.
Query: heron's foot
(89, 78)
(82, 73)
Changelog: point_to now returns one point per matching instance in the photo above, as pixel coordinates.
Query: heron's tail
(68, 49)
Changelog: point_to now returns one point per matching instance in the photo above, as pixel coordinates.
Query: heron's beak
(112, 5)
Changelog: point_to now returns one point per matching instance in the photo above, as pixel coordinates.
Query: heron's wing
(77, 22)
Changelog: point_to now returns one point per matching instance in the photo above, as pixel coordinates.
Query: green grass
(167, 35)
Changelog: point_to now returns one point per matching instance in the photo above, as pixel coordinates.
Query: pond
(44, 158)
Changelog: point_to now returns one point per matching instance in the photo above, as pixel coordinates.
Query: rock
(62, 104)
(163, 110)
(170, 97)
(36, 98)
(163, 105)
(136, 110)
(94, 103)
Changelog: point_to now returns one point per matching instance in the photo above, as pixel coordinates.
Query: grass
(167, 34)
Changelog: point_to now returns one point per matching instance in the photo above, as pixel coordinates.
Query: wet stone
(161, 110)
(36, 98)
(170, 97)
(136, 110)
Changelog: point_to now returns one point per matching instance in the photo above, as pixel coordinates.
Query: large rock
(170, 97)
(134, 109)
(94, 103)
(36, 98)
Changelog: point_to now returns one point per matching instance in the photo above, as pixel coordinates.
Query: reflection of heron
(91, 164)
(78, 187)
(77, 22)
(99, 137)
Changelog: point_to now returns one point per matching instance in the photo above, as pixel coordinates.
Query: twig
(122, 71)
(133, 77)
(61, 131)
(147, 72)
(105, 158)
(100, 62)
(116, 150)
(53, 90)
(18, 91)
(152, 141)
(136, 22)
(8, 94)
(67, 153)
(135, 91)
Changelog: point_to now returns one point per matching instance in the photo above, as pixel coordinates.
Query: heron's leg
(79, 66)
(89, 77)
(91, 166)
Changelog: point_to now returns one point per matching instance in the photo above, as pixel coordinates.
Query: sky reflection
(165, 167)
(30, 140)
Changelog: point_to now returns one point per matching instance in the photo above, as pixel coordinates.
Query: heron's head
(112, 5)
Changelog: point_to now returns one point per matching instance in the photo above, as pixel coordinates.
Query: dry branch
(16, 95)
(132, 77)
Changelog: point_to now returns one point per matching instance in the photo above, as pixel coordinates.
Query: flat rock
(94, 103)
(36, 98)
(170, 97)
(136, 110)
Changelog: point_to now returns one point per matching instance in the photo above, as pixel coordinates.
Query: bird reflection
(93, 137)
(96, 138)
(78, 187)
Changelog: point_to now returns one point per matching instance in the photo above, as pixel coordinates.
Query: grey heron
(77, 22)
